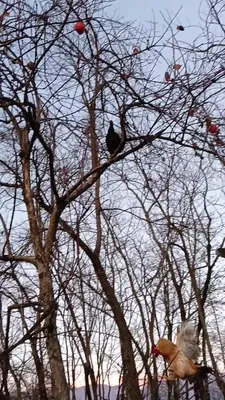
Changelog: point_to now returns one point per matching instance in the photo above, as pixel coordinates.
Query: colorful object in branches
(177, 67)
(167, 76)
(136, 51)
(213, 129)
(180, 28)
(79, 27)
(195, 146)
(155, 351)
(182, 357)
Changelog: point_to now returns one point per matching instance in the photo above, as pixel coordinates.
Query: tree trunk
(43, 253)
(60, 389)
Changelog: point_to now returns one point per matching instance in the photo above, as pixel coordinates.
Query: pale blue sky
(189, 13)
(144, 10)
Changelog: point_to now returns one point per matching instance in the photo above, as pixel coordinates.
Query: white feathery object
(187, 341)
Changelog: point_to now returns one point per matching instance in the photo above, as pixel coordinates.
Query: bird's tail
(187, 329)
(187, 340)
(203, 371)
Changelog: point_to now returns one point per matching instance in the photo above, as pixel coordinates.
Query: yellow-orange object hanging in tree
(177, 67)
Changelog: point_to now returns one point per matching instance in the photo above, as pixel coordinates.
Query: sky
(143, 10)
(162, 12)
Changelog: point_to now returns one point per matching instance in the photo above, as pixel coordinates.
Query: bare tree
(102, 254)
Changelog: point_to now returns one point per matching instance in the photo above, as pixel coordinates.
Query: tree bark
(60, 389)
(43, 253)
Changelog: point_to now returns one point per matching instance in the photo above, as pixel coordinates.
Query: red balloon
(79, 27)
(213, 129)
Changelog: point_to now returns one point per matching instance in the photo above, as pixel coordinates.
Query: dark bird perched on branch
(113, 140)
(220, 252)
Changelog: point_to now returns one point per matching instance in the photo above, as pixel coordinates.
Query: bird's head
(111, 130)
(155, 351)
(164, 348)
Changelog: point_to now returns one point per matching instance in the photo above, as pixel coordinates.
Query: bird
(180, 28)
(113, 140)
(182, 357)
(187, 341)
(220, 252)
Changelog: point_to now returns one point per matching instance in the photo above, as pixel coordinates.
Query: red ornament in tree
(213, 129)
(79, 27)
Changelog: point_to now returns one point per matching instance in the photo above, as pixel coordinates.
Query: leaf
(192, 111)
(31, 65)
(125, 76)
(167, 77)
(177, 67)
(219, 142)
(136, 51)
(208, 122)
(16, 61)
(4, 15)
